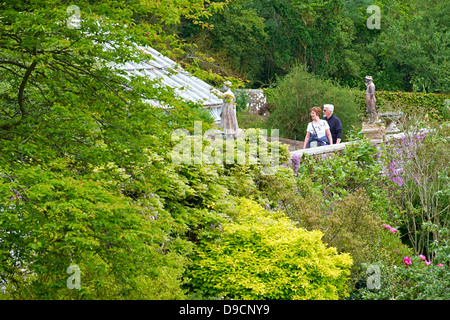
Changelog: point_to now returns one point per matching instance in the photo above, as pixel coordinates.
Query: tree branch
(13, 63)
(20, 97)
(22, 88)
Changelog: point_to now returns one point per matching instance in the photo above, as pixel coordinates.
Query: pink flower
(422, 257)
(427, 262)
(407, 260)
(393, 230)
(386, 226)
(440, 265)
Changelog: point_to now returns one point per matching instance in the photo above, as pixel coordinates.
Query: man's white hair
(329, 107)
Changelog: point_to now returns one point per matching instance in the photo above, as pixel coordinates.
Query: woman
(318, 130)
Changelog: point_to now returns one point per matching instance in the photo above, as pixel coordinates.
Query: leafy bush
(417, 166)
(248, 119)
(415, 279)
(263, 255)
(128, 228)
(242, 99)
(358, 166)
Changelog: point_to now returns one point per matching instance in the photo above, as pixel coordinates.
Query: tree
(413, 46)
(235, 39)
(81, 151)
(264, 39)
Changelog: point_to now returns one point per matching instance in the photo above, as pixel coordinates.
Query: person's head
(315, 112)
(328, 110)
(368, 79)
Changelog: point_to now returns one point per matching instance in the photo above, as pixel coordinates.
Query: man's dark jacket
(335, 127)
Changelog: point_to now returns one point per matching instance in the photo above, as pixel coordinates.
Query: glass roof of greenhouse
(170, 74)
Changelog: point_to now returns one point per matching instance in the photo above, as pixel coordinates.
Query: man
(333, 122)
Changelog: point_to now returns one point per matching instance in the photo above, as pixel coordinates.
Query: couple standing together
(326, 131)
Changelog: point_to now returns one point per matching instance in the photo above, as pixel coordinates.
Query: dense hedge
(409, 102)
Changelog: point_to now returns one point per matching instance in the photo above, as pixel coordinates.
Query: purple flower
(421, 136)
(295, 162)
(395, 173)
(404, 141)
(398, 180)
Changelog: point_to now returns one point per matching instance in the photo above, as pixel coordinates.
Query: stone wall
(256, 98)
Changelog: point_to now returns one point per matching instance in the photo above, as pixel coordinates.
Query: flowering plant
(411, 277)
(417, 165)
(417, 279)
(407, 261)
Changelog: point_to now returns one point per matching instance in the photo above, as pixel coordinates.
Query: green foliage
(298, 92)
(416, 281)
(260, 40)
(344, 196)
(81, 155)
(356, 167)
(418, 167)
(248, 119)
(411, 103)
(262, 255)
(414, 40)
(235, 40)
(242, 99)
(51, 220)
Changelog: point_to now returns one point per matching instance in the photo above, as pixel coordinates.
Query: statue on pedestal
(228, 120)
(371, 100)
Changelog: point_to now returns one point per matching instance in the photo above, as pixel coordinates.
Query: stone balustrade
(324, 150)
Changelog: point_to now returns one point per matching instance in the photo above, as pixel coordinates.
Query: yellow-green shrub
(263, 255)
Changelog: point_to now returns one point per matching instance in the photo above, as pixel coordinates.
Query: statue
(228, 120)
(371, 100)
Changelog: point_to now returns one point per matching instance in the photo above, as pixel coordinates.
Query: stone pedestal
(373, 131)
(391, 118)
